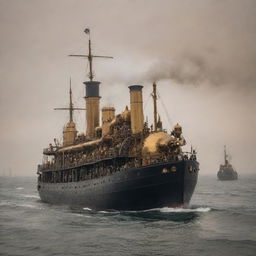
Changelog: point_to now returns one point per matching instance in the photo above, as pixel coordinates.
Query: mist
(201, 53)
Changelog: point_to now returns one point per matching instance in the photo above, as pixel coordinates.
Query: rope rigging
(165, 110)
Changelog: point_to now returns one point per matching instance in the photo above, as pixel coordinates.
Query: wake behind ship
(122, 163)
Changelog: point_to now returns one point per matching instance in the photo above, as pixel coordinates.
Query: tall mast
(154, 96)
(71, 106)
(71, 109)
(92, 97)
(225, 155)
(89, 56)
(90, 59)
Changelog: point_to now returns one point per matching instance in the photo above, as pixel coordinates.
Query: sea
(221, 220)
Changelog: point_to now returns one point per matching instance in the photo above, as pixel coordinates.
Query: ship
(226, 171)
(120, 163)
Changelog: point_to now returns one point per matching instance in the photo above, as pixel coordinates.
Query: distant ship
(121, 163)
(226, 171)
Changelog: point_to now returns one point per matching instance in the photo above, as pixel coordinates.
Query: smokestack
(92, 101)
(108, 114)
(137, 118)
(69, 134)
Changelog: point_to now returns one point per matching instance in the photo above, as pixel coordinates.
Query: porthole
(165, 170)
(173, 169)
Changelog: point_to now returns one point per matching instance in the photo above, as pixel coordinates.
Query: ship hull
(230, 175)
(159, 185)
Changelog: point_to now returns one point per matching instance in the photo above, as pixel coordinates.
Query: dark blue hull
(169, 184)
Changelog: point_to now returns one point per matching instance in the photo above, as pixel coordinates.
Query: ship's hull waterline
(227, 176)
(169, 184)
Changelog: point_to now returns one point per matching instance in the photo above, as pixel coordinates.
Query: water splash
(161, 210)
(31, 196)
(185, 210)
(87, 209)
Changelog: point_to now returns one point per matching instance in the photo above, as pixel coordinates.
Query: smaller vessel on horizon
(226, 171)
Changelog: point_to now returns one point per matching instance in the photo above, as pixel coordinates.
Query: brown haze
(202, 53)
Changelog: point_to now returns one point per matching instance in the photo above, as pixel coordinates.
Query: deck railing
(151, 158)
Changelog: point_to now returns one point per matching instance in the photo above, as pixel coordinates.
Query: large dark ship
(123, 163)
(226, 171)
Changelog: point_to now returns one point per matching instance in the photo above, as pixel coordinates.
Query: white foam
(82, 215)
(163, 210)
(199, 209)
(87, 209)
(108, 212)
(31, 196)
(19, 188)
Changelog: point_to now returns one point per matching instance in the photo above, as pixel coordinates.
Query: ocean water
(221, 220)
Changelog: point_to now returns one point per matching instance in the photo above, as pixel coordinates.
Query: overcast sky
(202, 54)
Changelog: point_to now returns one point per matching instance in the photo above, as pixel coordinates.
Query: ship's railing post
(63, 159)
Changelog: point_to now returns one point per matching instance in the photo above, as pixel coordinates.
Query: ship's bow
(190, 180)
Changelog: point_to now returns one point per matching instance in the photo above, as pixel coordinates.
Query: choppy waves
(163, 210)
(12, 204)
(220, 220)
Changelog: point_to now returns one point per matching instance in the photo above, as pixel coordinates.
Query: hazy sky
(202, 52)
